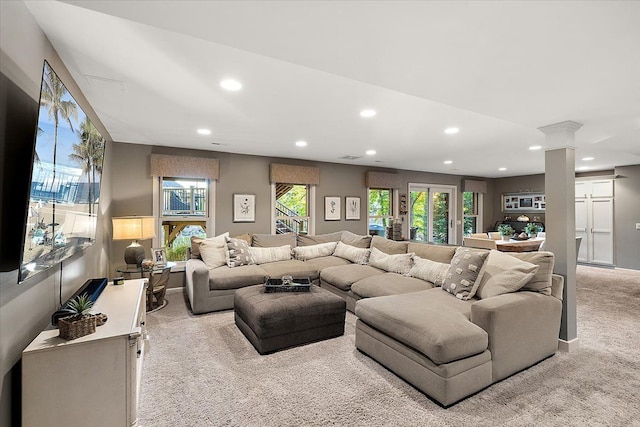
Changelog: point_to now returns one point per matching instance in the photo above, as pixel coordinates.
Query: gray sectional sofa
(447, 344)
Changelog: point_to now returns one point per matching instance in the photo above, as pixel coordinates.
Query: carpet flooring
(201, 371)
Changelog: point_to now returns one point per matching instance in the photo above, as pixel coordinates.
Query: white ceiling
(495, 70)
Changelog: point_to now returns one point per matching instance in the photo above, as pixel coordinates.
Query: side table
(158, 278)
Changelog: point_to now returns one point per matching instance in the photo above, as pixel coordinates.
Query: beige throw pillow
(464, 270)
(503, 274)
(196, 241)
(428, 270)
(270, 254)
(398, 263)
(213, 252)
(541, 281)
(304, 253)
(351, 253)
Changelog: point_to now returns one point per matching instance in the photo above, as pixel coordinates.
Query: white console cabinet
(93, 380)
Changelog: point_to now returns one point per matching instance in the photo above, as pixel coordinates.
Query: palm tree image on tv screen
(65, 180)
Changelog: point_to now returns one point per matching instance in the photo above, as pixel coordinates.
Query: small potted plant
(506, 231)
(532, 229)
(79, 322)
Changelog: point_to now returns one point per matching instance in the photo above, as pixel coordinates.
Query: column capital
(566, 126)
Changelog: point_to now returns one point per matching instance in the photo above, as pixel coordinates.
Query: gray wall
(626, 214)
(132, 189)
(26, 309)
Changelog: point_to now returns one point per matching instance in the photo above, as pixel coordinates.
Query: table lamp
(134, 228)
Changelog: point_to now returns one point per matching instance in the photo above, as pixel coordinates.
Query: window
(183, 211)
(431, 213)
(380, 210)
(292, 208)
(472, 208)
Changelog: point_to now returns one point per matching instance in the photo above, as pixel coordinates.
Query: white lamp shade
(134, 228)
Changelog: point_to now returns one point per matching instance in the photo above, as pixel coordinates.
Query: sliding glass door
(431, 213)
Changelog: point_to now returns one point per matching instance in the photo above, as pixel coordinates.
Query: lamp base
(134, 254)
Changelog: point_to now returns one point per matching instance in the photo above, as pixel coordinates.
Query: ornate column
(560, 219)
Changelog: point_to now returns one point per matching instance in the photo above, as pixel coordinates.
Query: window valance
(382, 180)
(474, 186)
(184, 167)
(292, 174)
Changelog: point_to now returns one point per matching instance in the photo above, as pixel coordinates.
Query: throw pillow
(398, 263)
(464, 271)
(196, 241)
(304, 253)
(504, 274)
(238, 253)
(351, 253)
(213, 252)
(541, 281)
(265, 255)
(428, 270)
(351, 239)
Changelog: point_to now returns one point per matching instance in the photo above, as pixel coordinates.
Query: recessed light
(535, 147)
(448, 162)
(451, 131)
(367, 113)
(586, 159)
(502, 169)
(203, 131)
(231, 84)
(301, 143)
(370, 152)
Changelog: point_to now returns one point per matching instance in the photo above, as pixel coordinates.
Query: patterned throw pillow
(397, 263)
(463, 272)
(304, 253)
(270, 254)
(428, 270)
(351, 253)
(238, 253)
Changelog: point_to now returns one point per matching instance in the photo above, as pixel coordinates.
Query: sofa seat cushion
(441, 334)
(326, 261)
(388, 284)
(343, 276)
(235, 277)
(291, 267)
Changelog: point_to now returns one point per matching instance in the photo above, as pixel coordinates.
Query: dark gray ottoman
(274, 321)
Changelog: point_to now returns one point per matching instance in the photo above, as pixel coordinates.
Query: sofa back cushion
(354, 254)
(274, 240)
(388, 246)
(270, 254)
(351, 239)
(195, 243)
(503, 274)
(306, 240)
(304, 253)
(238, 253)
(438, 253)
(541, 281)
(430, 271)
(398, 263)
(463, 273)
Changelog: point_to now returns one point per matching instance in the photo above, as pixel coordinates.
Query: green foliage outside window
(296, 199)
(441, 217)
(470, 212)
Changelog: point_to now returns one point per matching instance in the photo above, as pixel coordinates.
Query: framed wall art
(332, 208)
(244, 208)
(352, 208)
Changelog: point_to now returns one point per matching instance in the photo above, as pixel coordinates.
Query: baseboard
(568, 346)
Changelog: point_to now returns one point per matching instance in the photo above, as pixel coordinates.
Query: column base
(568, 346)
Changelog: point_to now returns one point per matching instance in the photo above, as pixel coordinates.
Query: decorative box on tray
(291, 284)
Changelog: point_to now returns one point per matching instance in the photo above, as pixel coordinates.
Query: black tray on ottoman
(274, 321)
(298, 284)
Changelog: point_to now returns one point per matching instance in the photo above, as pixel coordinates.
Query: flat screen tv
(64, 190)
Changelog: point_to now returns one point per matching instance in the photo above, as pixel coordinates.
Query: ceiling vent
(349, 157)
(104, 83)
